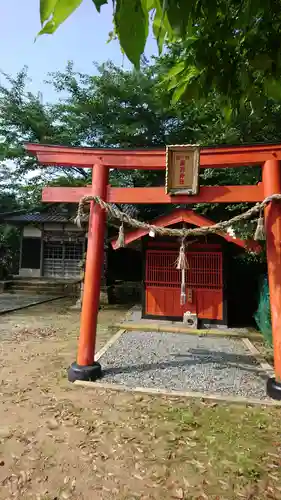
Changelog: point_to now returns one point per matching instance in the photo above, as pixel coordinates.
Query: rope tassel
(120, 243)
(260, 229)
(77, 221)
(181, 262)
(183, 294)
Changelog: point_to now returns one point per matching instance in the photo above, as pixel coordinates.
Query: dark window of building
(31, 251)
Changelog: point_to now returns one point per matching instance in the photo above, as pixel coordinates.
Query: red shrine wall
(203, 278)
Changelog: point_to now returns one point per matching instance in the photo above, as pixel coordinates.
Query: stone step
(41, 288)
(44, 287)
(50, 287)
(43, 282)
(42, 291)
(38, 292)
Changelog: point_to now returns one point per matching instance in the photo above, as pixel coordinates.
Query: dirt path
(59, 442)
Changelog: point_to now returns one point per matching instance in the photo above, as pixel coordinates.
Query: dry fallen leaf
(137, 476)
(65, 495)
(52, 424)
(5, 432)
(178, 493)
(186, 482)
(203, 496)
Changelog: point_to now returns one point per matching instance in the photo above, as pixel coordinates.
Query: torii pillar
(271, 176)
(86, 368)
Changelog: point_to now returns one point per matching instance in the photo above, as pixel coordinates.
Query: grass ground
(58, 441)
(266, 351)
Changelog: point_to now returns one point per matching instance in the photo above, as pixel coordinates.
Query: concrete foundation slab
(12, 302)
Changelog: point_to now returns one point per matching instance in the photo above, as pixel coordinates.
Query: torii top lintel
(151, 159)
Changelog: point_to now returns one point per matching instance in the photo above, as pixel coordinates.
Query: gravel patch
(178, 362)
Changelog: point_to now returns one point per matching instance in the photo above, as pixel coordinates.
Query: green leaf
(161, 26)
(48, 29)
(99, 4)
(173, 84)
(192, 73)
(227, 111)
(273, 89)
(180, 77)
(46, 9)
(131, 21)
(262, 62)
(178, 13)
(180, 90)
(159, 29)
(62, 10)
(149, 4)
(178, 68)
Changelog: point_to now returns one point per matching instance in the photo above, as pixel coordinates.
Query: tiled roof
(60, 213)
(52, 214)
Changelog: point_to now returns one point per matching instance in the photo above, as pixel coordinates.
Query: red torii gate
(101, 160)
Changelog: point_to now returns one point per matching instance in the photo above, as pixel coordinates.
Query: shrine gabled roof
(182, 215)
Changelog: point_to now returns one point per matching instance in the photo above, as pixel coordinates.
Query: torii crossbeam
(101, 160)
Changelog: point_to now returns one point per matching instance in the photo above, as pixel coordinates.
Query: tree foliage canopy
(228, 47)
(117, 108)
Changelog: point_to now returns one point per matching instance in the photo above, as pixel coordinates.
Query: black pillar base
(90, 373)
(273, 389)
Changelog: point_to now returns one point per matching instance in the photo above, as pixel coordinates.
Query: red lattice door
(204, 285)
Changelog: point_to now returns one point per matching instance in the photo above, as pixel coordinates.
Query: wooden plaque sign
(182, 169)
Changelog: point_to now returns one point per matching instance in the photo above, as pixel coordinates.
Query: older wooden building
(52, 246)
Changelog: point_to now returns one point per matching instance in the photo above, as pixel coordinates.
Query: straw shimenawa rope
(124, 218)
